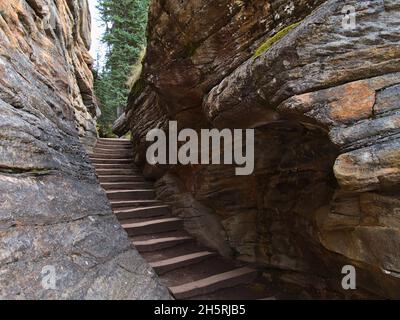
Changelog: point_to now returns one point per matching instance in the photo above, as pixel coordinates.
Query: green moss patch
(275, 38)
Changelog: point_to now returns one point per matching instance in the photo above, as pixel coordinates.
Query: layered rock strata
(323, 98)
(58, 236)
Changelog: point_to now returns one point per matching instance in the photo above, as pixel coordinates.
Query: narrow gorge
(322, 97)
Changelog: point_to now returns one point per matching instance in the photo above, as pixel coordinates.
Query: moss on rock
(275, 38)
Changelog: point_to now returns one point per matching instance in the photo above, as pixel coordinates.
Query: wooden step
(164, 266)
(125, 166)
(143, 212)
(110, 146)
(126, 185)
(108, 161)
(153, 226)
(140, 194)
(110, 150)
(134, 204)
(113, 156)
(116, 172)
(114, 143)
(119, 178)
(211, 284)
(124, 151)
(257, 289)
(113, 140)
(160, 243)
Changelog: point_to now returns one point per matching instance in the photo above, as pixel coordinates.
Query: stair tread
(115, 142)
(100, 166)
(113, 145)
(131, 170)
(182, 249)
(133, 202)
(131, 194)
(160, 235)
(129, 190)
(118, 183)
(210, 281)
(118, 172)
(113, 159)
(111, 156)
(161, 244)
(113, 139)
(129, 214)
(128, 179)
(137, 209)
(99, 152)
(160, 240)
(122, 154)
(180, 259)
(111, 149)
(126, 171)
(259, 289)
(121, 177)
(119, 204)
(200, 271)
(116, 167)
(106, 156)
(149, 222)
(121, 172)
(125, 185)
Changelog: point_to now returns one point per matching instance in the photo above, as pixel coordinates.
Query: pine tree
(125, 37)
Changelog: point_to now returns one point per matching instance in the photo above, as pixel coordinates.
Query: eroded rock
(53, 213)
(324, 102)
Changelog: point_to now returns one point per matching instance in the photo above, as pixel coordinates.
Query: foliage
(125, 37)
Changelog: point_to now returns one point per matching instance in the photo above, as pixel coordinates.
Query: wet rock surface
(53, 212)
(324, 103)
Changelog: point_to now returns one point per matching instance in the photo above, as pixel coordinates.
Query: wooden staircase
(188, 269)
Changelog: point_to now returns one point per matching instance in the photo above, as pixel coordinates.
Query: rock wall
(54, 217)
(324, 102)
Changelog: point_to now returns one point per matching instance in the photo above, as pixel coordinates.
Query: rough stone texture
(324, 101)
(199, 219)
(52, 210)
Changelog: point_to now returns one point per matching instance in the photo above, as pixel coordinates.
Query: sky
(98, 48)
